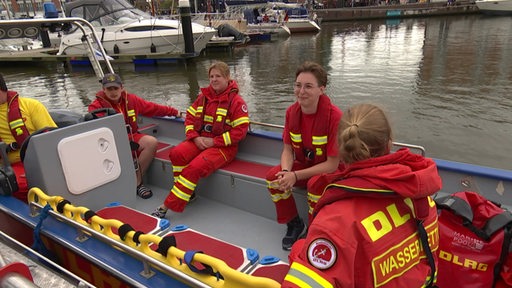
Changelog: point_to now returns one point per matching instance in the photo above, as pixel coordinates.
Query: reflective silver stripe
(302, 276)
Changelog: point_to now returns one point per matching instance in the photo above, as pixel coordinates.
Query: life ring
(14, 32)
(30, 32)
(2, 33)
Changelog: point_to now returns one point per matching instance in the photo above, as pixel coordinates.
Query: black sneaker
(295, 230)
(192, 197)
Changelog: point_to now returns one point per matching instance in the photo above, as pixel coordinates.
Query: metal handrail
(80, 23)
(419, 148)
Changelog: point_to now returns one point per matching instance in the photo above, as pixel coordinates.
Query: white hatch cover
(89, 160)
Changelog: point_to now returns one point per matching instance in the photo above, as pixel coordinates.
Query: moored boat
(494, 7)
(124, 29)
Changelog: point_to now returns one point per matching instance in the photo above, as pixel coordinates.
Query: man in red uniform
(113, 95)
(376, 226)
(20, 117)
(310, 148)
(216, 122)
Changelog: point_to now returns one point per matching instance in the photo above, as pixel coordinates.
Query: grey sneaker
(159, 212)
(295, 229)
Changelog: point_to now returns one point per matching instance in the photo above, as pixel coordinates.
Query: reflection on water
(443, 80)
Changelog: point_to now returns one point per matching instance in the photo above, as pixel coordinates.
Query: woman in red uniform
(310, 148)
(376, 224)
(216, 122)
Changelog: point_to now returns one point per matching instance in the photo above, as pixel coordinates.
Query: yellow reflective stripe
(16, 123)
(319, 140)
(187, 183)
(359, 188)
(177, 169)
(131, 113)
(296, 281)
(188, 128)
(191, 110)
(180, 194)
(296, 137)
(208, 118)
(240, 121)
(281, 196)
(222, 111)
(227, 138)
(313, 197)
(306, 276)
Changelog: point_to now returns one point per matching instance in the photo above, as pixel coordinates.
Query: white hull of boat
(495, 7)
(139, 43)
(272, 28)
(302, 25)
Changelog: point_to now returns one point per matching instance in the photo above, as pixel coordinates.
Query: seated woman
(366, 227)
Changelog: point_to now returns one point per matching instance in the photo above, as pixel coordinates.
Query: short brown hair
(364, 132)
(314, 68)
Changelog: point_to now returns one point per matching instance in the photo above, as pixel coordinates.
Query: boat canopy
(104, 12)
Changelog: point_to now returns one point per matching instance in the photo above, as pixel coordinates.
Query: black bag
(8, 183)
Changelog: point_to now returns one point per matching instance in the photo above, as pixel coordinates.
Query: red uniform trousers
(189, 165)
(285, 203)
(22, 192)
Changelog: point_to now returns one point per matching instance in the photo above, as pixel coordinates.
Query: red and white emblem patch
(322, 254)
(244, 108)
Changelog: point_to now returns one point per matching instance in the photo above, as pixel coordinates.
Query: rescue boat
(83, 193)
(83, 208)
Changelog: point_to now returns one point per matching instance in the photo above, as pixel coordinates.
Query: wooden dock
(50, 55)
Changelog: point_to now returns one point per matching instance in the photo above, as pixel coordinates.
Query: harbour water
(444, 81)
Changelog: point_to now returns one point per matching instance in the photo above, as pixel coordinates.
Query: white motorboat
(125, 30)
(274, 28)
(495, 7)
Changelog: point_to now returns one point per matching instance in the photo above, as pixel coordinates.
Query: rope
(38, 242)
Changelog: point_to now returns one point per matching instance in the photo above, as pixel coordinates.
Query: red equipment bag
(474, 242)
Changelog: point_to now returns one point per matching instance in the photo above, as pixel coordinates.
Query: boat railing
(139, 246)
(418, 148)
(84, 25)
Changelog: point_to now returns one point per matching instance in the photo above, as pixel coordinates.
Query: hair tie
(354, 124)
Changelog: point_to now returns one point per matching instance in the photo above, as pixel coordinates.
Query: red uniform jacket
(364, 233)
(227, 110)
(131, 105)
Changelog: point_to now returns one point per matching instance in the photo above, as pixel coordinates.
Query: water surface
(444, 81)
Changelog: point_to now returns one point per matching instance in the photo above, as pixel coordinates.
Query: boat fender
(189, 259)
(153, 48)
(116, 49)
(166, 243)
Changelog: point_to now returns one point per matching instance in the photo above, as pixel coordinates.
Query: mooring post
(186, 24)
